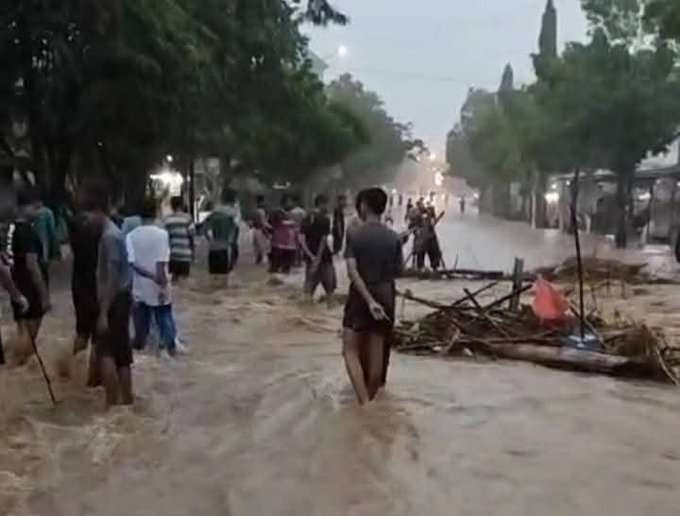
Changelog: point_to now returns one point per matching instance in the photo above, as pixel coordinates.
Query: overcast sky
(422, 57)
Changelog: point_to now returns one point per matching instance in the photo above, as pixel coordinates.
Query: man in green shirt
(222, 232)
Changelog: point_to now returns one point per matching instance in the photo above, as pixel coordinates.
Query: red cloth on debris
(549, 305)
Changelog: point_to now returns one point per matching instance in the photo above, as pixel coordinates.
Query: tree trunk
(623, 195)
(577, 360)
(501, 200)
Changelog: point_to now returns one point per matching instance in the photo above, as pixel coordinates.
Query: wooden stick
(506, 298)
(483, 314)
(42, 369)
(475, 293)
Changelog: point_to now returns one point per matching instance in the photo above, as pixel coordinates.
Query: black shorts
(35, 309)
(324, 275)
(281, 260)
(180, 268)
(219, 262)
(115, 343)
(358, 316)
(86, 309)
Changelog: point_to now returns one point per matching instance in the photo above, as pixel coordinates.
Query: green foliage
(665, 15)
(386, 142)
(612, 105)
(114, 85)
(620, 19)
(547, 41)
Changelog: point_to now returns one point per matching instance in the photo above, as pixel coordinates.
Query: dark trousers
(142, 315)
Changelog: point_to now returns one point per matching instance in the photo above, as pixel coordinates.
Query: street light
(343, 51)
(169, 158)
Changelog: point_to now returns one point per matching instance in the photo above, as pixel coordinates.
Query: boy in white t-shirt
(148, 249)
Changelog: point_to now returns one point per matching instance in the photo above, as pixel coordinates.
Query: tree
(547, 41)
(114, 85)
(665, 16)
(387, 142)
(612, 106)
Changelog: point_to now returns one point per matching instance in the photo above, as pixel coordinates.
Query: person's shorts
(116, 342)
(219, 262)
(358, 316)
(324, 275)
(86, 309)
(282, 260)
(180, 268)
(35, 308)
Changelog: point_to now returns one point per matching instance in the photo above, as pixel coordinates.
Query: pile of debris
(466, 328)
(451, 274)
(598, 270)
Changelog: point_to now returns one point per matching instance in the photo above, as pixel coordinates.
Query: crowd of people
(422, 221)
(124, 267)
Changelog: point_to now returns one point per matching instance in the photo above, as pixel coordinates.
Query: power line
(409, 75)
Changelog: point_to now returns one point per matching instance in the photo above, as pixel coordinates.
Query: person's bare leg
(125, 380)
(376, 363)
(94, 373)
(350, 352)
(386, 359)
(111, 383)
(79, 344)
(363, 354)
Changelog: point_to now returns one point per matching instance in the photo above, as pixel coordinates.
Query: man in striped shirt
(180, 228)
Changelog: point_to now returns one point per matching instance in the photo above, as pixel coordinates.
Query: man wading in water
(374, 260)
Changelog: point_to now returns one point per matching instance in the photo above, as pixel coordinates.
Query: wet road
(260, 419)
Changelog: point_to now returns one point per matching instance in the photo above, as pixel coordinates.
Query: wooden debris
(466, 326)
(601, 272)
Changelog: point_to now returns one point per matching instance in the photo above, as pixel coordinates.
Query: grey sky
(422, 57)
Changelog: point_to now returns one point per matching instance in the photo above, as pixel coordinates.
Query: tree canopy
(386, 142)
(604, 104)
(112, 86)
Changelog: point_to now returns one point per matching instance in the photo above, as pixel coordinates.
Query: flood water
(260, 420)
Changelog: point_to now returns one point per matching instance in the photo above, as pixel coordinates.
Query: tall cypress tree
(508, 80)
(547, 42)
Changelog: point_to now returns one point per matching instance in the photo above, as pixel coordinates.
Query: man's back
(45, 227)
(84, 238)
(378, 252)
(147, 246)
(223, 228)
(315, 228)
(112, 257)
(179, 226)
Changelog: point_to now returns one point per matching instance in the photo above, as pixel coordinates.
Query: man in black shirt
(320, 270)
(16, 297)
(84, 235)
(374, 260)
(29, 272)
(339, 224)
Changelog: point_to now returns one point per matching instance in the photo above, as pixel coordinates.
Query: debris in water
(465, 327)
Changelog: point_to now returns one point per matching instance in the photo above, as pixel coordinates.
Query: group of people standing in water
(123, 269)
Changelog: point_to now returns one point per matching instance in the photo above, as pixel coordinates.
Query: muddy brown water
(260, 419)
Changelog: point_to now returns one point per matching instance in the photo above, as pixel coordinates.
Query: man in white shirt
(148, 249)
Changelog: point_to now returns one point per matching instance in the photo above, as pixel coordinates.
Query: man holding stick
(16, 296)
(374, 260)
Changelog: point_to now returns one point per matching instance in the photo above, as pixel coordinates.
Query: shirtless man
(374, 260)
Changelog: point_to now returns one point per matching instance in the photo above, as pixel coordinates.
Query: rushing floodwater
(260, 419)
